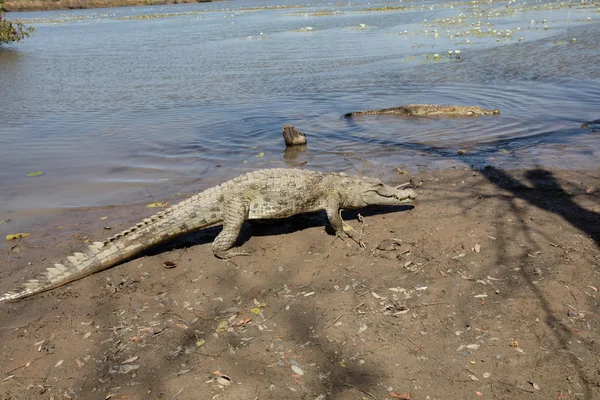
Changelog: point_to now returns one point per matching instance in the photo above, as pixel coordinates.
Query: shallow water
(134, 104)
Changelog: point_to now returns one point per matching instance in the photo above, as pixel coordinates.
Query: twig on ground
(16, 244)
(429, 354)
(437, 359)
(208, 354)
(353, 387)
(84, 381)
(180, 255)
(334, 321)
(359, 306)
(367, 291)
(178, 393)
(26, 364)
(362, 228)
(13, 327)
(275, 313)
(437, 303)
(526, 390)
(570, 290)
(331, 247)
(346, 225)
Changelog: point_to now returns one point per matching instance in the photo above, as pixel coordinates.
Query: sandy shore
(491, 292)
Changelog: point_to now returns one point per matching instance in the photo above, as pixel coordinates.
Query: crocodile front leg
(235, 212)
(335, 219)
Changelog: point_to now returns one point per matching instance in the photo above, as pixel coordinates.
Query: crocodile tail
(174, 221)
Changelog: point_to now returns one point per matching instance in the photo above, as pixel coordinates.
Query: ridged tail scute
(174, 221)
(75, 266)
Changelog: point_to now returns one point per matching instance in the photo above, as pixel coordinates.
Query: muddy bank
(487, 288)
(47, 5)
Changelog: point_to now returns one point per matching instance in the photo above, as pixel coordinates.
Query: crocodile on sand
(427, 110)
(263, 194)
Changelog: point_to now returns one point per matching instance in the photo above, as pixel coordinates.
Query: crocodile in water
(263, 194)
(593, 125)
(427, 110)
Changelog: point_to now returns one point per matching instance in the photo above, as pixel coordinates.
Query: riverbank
(489, 292)
(47, 5)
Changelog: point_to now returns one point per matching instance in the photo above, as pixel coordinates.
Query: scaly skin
(263, 194)
(427, 110)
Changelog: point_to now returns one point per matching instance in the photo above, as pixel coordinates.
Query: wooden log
(292, 136)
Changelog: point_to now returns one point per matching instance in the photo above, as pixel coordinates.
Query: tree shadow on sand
(541, 189)
(546, 193)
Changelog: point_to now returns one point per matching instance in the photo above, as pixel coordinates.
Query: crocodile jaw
(389, 196)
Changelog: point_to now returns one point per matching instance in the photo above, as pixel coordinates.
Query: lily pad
(17, 236)
(222, 327)
(256, 310)
(36, 173)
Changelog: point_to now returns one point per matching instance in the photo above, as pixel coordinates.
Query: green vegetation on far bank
(42, 5)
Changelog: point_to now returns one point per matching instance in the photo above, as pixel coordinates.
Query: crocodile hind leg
(235, 212)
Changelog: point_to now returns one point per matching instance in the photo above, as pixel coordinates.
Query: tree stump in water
(292, 136)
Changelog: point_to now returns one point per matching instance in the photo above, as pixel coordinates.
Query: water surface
(135, 104)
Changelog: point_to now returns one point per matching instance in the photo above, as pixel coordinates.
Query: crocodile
(593, 125)
(262, 194)
(427, 110)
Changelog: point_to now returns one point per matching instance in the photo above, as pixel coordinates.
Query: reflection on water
(117, 105)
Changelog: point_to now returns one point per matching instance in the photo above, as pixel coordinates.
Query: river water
(126, 105)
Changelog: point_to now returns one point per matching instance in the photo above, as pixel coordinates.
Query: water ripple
(112, 106)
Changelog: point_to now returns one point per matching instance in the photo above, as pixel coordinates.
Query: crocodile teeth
(73, 260)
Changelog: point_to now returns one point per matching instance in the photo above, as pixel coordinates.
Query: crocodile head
(371, 191)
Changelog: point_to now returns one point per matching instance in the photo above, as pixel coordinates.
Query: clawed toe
(224, 255)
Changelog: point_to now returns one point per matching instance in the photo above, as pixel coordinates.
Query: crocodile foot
(225, 254)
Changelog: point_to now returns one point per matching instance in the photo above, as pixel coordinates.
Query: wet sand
(491, 292)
